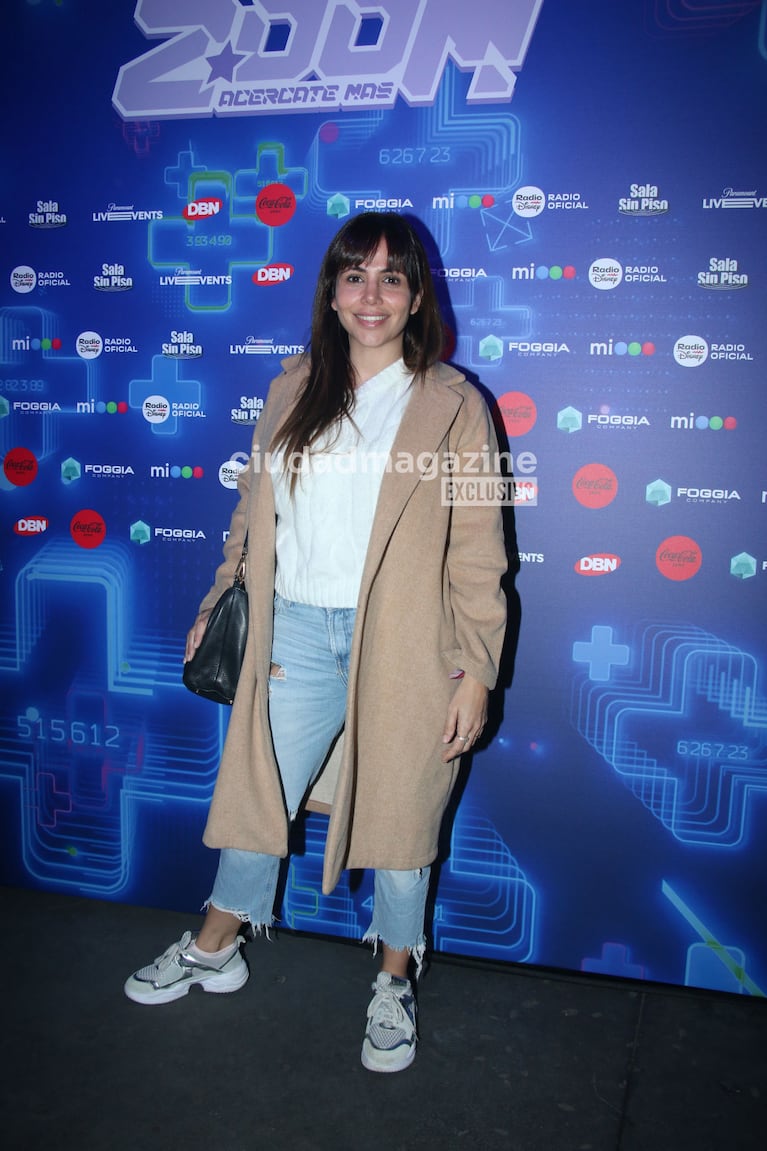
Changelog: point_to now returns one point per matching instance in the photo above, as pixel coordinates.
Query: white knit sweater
(324, 527)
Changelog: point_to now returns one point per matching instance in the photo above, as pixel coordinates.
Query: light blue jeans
(307, 704)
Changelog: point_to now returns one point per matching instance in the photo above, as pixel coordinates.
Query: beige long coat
(430, 601)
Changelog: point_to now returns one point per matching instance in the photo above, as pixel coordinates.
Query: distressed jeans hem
(261, 928)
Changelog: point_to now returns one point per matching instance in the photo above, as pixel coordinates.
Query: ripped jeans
(307, 704)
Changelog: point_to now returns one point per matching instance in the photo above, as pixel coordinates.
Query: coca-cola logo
(595, 485)
(275, 205)
(518, 412)
(20, 467)
(88, 529)
(678, 558)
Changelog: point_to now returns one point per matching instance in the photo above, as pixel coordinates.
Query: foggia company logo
(246, 65)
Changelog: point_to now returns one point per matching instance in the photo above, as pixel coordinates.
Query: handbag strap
(239, 571)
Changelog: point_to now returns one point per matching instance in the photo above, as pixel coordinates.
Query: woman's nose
(372, 290)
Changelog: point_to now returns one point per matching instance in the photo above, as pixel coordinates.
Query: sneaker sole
(370, 1065)
(217, 984)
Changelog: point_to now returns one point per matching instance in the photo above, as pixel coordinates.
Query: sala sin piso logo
(405, 56)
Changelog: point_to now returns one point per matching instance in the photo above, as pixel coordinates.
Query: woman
(375, 607)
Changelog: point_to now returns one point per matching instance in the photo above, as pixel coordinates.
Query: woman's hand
(195, 634)
(466, 717)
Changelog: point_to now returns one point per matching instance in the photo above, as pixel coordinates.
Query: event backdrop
(592, 181)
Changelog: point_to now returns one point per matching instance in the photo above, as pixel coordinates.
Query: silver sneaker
(390, 1035)
(173, 973)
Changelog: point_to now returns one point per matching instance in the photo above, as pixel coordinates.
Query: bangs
(357, 243)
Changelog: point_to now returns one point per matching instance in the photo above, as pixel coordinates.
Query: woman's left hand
(466, 717)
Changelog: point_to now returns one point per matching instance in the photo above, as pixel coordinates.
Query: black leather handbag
(214, 669)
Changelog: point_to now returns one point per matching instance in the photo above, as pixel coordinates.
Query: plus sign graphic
(600, 653)
(165, 382)
(216, 246)
(184, 172)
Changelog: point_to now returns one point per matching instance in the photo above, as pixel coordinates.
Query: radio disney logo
(229, 471)
(690, 351)
(23, 279)
(155, 409)
(605, 274)
(89, 345)
(528, 202)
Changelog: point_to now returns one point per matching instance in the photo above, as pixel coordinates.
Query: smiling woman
(376, 619)
(374, 303)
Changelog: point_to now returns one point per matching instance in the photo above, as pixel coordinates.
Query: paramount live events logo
(231, 60)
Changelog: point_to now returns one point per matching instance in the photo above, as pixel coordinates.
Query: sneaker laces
(163, 962)
(387, 1010)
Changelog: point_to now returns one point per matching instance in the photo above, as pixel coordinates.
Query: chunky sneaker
(173, 973)
(390, 1035)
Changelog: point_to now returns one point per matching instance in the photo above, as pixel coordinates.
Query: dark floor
(509, 1058)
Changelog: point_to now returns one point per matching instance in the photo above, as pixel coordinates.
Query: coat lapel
(425, 423)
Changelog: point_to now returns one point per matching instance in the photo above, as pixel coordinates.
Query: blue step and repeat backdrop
(593, 181)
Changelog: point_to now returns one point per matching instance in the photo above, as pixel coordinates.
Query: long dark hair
(328, 394)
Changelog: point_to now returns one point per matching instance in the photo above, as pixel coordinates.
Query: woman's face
(373, 306)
